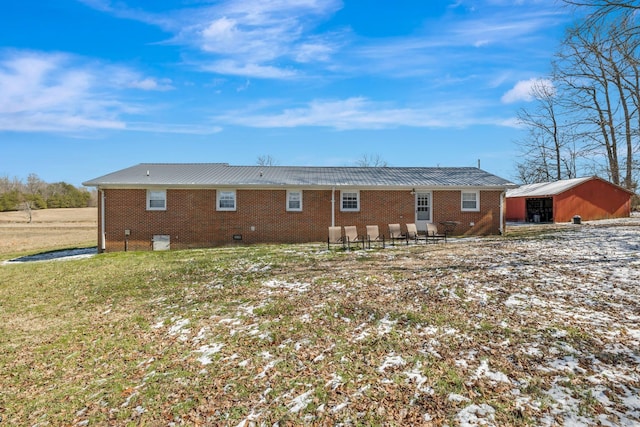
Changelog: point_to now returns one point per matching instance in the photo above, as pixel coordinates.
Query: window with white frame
(226, 200)
(471, 201)
(350, 201)
(294, 200)
(156, 200)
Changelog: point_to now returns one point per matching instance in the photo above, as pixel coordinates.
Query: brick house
(157, 206)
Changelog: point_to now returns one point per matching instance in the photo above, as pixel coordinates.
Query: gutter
(333, 206)
(503, 198)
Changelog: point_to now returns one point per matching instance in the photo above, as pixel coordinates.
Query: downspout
(333, 206)
(502, 202)
(103, 233)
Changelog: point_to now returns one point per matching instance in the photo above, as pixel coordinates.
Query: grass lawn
(49, 229)
(533, 329)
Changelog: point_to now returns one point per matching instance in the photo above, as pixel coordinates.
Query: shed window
(156, 200)
(471, 201)
(350, 201)
(294, 200)
(226, 200)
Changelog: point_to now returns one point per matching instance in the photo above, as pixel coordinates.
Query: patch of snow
(391, 361)
(454, 397)
(416, 376)
(305, 318)
(533, 350)
(266, 369)
(461, 363)
(202, 333)
(208, 351)
(334, 382)
(250, 420)
(494, 376)
(300, 402)
(476, 415)
(295, 286)
(179, 327)
(386, 325)
(258, 268)
(339, 407)
(564, 406)
(567, 363)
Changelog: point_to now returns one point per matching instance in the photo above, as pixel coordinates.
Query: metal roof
(222, 174)
(546, 188)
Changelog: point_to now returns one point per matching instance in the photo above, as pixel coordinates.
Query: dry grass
(534, 330)
(49, 229)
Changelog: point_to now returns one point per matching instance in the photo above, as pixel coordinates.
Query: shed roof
(543, 189)
(222, 174)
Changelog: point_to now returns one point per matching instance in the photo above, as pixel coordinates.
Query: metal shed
(591, 198)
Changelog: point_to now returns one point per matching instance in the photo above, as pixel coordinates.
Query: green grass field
(505, 331)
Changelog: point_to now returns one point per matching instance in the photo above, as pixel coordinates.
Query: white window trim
(289, 208)
(342, 193)
(219, 193)
(149, 207)
(477, 208)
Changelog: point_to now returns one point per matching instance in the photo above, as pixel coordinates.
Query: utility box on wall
(161, 242)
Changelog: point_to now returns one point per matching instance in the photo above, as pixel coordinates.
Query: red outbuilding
(591, 198)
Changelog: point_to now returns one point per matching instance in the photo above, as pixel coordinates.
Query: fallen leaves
(495, 331)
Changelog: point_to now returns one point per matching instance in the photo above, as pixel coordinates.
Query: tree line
(37, 194)
(586, 114)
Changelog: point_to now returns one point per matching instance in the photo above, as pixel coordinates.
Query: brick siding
(191, 219)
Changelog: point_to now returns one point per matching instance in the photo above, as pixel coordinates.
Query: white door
(161, 242)
(423, 210)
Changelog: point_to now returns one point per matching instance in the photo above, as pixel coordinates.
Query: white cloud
(151, 84)
(183, 129)
(313, 52)
(525, 90)
(41, 92)
(231, 67)
(57, 92)
(253, 38)
(361, 113)
(255, 35)
(280, 39)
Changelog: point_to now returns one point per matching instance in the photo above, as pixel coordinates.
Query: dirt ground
(49, 229)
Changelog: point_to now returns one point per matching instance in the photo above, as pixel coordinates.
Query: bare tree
(547, 150)
(371, 161)
(266, 160)
(598, 71)
(35, 185)
(26, 206)
(605, 5)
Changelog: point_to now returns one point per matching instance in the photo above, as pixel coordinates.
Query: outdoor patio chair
(432, 233)
(351, 236)
(373, 235)
(335, 237)
(395, 233)
(412, 234)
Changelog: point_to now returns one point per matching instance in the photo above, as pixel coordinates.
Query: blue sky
(88, 87)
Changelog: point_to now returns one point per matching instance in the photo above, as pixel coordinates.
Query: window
(471, 201)
(156, 200)
(294, 200)
(350, 201)
(226, 200)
